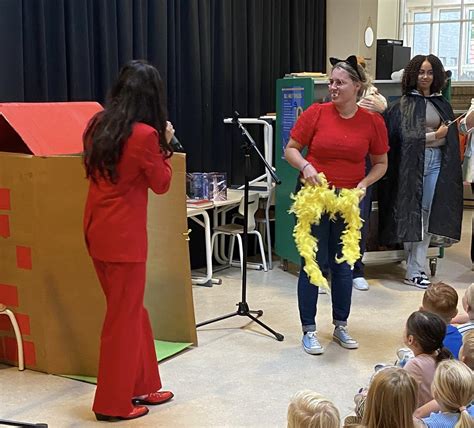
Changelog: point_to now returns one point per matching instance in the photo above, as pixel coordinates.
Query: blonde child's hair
(309, 409)
(453, 389)
(466, 353)
(442, 300)
(469, 296)
(391, 400)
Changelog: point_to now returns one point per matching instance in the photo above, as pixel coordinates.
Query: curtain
(215, 56)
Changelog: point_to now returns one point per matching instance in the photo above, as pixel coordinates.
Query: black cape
(400, 190)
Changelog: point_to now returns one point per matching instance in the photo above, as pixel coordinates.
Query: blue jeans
(365, 209)
(328, 233)
(416, 251)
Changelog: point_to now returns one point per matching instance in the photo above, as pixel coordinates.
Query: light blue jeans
(415, 252)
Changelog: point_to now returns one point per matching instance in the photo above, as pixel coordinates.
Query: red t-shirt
(338, 147)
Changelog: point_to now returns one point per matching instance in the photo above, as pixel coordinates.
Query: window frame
(466, 31)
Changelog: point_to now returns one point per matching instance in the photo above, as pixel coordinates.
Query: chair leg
(262, 250)
(268, 237)
(231, 249)
(19, 342)
(241, 252)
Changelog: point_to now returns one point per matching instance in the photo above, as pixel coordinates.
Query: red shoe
(137, 412)
(158, 397)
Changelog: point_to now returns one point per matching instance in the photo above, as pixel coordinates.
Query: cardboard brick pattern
(28, 196)
(23, 257)
(4, 199)
(22, 320)
(8, 295)
(11, 351)
(46, 275)
(4, 226)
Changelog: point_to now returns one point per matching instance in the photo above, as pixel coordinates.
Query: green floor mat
(163, 350)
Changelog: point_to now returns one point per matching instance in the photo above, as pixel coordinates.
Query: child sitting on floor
(466, 320)
(442, 300)
(453, 389)
(466, 353)
(391, 401)
(309, 409)
(424, 335)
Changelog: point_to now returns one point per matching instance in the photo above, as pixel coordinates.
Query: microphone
(177, 147)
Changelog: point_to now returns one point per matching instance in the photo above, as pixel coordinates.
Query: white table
(193, 213)
(219, 208)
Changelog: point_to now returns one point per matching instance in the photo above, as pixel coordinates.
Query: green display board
(293, 95)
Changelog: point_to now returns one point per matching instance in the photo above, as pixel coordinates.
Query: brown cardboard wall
(46, 275)
(168, 267)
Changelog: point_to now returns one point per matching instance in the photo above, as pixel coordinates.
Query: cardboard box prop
(46, 275)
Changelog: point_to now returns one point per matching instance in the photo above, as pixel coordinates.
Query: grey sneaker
(342, 336)
(311, 343)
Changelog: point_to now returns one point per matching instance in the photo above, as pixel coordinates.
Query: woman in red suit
(126, 147)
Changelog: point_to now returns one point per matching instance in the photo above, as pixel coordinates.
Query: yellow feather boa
(311, 202)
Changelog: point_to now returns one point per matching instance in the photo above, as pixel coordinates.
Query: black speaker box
(390, 58)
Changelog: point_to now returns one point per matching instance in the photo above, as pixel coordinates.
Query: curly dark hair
(136, 96)
(410, 74)
(429, 331)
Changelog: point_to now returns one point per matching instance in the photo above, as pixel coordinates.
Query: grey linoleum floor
(239, 375)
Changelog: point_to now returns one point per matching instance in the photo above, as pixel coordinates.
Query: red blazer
(115, 215)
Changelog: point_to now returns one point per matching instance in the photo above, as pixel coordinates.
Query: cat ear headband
(350, 60)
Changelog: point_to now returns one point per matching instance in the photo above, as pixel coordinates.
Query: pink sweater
(422, 368)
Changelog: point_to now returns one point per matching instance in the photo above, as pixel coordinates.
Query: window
(444, 28)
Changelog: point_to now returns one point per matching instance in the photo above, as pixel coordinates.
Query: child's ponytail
(465, 419)
(453, 389)
(443, 354)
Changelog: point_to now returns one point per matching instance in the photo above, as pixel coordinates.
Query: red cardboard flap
(44, 129)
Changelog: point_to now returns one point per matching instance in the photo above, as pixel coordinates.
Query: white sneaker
(360, 284)
(403, 355)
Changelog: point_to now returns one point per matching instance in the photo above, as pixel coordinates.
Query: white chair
(236, 230)
(11, 315)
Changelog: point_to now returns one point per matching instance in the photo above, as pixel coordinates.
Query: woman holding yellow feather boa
(338, 136)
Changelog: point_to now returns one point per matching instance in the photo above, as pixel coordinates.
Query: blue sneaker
(311, 343)
(342, 336)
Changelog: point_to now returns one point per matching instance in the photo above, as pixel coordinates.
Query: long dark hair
(429, 331)
(136, 96)
(410, 75)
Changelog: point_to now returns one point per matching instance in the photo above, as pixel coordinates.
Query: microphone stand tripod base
(244, 310)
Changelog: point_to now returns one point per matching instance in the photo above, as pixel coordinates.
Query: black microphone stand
(243, 307)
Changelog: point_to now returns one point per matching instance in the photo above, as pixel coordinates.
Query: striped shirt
(445, 419)
(464, 328)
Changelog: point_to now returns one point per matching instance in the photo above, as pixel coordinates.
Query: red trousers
(127, 366)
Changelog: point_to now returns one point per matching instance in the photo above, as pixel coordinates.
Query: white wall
(388, 19)
(346, 24)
